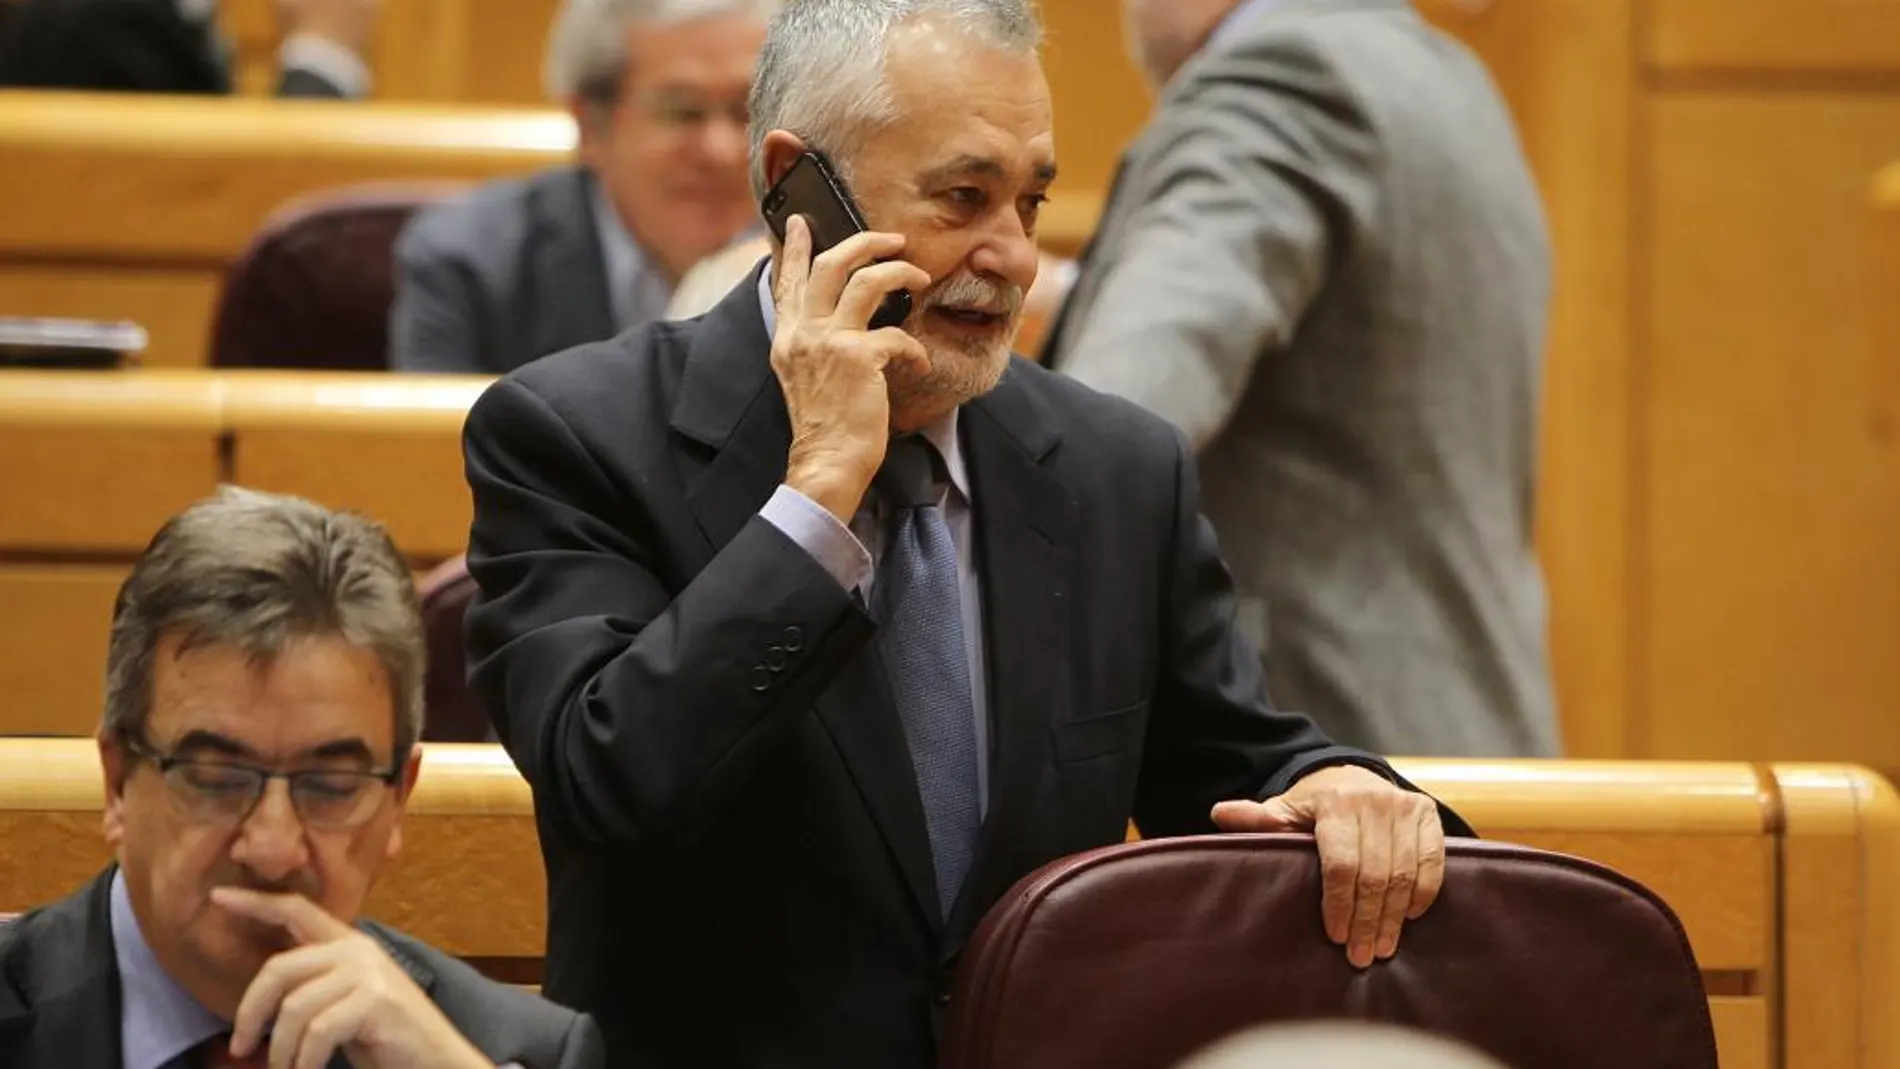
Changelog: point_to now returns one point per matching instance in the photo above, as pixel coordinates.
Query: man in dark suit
(523, 267)
(173, 46)
(790, 735)
(259, 639)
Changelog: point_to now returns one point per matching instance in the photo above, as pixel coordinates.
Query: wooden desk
(388, 446)
(123, 207)
(86, 479)
(1784, 876)
(92, 463)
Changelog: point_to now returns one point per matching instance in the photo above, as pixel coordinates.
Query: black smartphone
(83, 344)
(812, 189)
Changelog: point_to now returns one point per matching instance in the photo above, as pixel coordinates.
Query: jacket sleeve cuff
(1332, 756)
(818, 533)
(326, 59)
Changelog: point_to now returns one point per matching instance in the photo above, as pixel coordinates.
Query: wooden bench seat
(91, 463)
(121, 207)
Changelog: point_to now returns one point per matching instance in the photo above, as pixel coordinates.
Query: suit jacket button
(794, 639)
(775, 658)
(761, 678)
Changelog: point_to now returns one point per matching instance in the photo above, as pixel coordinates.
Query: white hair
(821, 74)
(587, 44)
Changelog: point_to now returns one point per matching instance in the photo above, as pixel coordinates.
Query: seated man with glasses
(263, 701)
(521, 268)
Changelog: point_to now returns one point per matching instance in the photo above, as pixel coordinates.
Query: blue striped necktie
(919, 610)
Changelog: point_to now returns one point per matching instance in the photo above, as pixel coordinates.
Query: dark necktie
(920, 633)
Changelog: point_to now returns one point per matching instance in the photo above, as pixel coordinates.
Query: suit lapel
(1025, 530)
(861, 716)
(569, 269)
(731, 405)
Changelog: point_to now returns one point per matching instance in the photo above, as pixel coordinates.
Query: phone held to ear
(812, 189)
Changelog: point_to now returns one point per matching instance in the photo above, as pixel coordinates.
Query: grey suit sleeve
(434, 323)
(1213, 733)
(583, 1047)
(1260, 171)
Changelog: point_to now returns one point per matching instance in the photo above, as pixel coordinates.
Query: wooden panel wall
(1771, 504)
(1769, 492)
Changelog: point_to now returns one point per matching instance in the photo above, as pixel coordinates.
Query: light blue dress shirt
(158, 1020)
(851, 553)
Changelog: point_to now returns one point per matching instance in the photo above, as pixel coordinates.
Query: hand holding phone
(831, 367)
(813, 189)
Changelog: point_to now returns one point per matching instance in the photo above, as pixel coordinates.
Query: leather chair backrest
(1135, 956)
(314, 288)
(452, 714)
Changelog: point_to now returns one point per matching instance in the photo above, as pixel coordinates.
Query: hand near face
(831, 367)
(1381, 851)
(337, 990)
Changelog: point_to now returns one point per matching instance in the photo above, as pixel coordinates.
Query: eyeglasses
(221, 792)
(683, 113)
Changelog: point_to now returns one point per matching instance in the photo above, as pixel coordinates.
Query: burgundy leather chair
(1135, 956)
(452, 714)
(314, 287)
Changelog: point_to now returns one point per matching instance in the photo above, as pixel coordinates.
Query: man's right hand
(831, 366)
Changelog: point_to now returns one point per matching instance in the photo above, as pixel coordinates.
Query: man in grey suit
(521, 268)
(257, 639)
(1325, 260)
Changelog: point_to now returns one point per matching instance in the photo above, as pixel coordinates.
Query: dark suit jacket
(126, 45)
(738, 868)
(59, 995)
(509, 273)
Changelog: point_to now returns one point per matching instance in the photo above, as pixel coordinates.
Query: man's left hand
(1381, 851)
(338, 990)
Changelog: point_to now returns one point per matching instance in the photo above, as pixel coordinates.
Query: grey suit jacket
(1325, 259)
(507, 274)
(59, 996)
